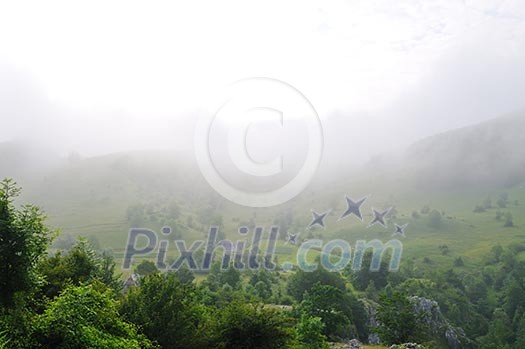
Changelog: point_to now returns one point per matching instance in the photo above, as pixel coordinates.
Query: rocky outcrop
(370, 307)
(437, 324)
(407, 346)
(431, 315)
(455, 337)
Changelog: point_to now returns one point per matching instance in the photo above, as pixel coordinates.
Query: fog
(100, 78)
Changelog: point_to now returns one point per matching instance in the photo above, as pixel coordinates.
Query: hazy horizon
(88, 79)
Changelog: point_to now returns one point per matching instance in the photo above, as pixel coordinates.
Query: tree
(398, 322)
(185, 275)
(324, 301)
(520, 338)
(302, 282)
(262, 281)
(230, 276)
(24, 239)
(341, 313)
(487, 203)
(514, 296)
(3, 340)
(169, 312)
(499, 334)
(248, 326)
(361, 278)
(135, 215)
(444, 249)
(458, 262)
(146, 267)
(310, 333)
(82, 264)
(434, 218)
(503, 200)
(86, 317)
(479, 209)
(508, 220)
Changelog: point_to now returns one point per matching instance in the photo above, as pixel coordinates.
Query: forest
(75, 298)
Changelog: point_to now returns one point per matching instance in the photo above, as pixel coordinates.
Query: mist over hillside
(264, 175)
(491, 153)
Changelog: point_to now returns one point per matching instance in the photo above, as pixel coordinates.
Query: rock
(431, 313)
(453, 338)
(407, 346)
(352, 344)
(437, 323)
(373, 339)
(434, 320)
(370, 308)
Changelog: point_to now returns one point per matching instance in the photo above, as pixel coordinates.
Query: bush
(310, 333)
(434, 218)
(508, 220)
(86, 317)
(169, 312)
(3, 340)
(342, 314)
(397, 319)
(24, 239)
(250, 326)
(458, 262)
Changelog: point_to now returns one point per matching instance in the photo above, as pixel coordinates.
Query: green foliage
(503, 200)
(3, 340)
(302, 282)
(398, 322)
(520, 338)
(247, 326)
(341, 313)
(508, 220)
(185, 275)
(159, 212)
(499, 334)
(146, 267)
(310, 333)
(86, 317)
(434, 218)
(479, 209)
(24, 239)
(217, 278)
(135, 215)
(169, 312)
(458, 262)
(444, 249)
(223, 311)
(16, 323)
(263, 290)
(80, 265)
(262, 281)
(361, 278)
(514, 296)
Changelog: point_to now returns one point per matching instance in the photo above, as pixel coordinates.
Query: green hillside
(102, 197)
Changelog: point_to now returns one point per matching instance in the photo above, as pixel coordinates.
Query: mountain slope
(491, 153)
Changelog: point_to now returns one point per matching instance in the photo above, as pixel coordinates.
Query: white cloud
(167, 58)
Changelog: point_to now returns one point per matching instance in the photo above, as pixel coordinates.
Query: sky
(103, 76)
